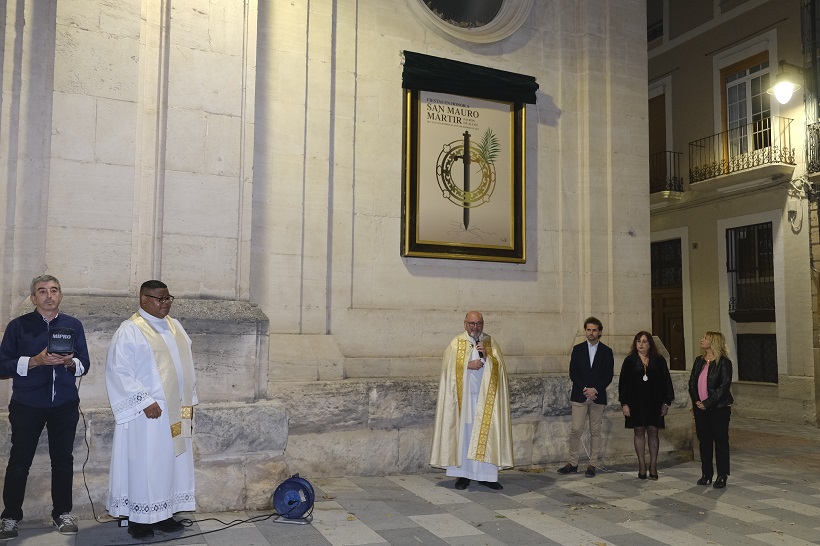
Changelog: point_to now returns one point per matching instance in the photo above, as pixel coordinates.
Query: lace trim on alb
(130, 402)
(179, 502)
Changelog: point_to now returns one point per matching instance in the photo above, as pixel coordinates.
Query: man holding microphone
(472, 438)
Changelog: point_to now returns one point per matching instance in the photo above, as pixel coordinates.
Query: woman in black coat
(710, 390)
(645, 392)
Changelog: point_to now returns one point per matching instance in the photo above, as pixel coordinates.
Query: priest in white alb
(149, 375)
(472, 437)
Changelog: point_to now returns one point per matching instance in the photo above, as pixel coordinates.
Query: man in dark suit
(591, 368)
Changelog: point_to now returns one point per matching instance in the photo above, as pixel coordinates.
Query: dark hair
(596, 322)
(151, 285)
(653, 349)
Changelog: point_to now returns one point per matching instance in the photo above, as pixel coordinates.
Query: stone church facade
(249, 154)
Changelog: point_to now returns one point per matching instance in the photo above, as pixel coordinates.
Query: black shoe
(462, 483)
(140, 530)
(590, 473)
(705, 480)
(653, 477)
(642, 476)
(493, 485)
(169, 525)
(66, 524)
(720, 482)
(8, 528)
(568, 469)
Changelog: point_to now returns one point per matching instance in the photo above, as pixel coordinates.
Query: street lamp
(784, 82)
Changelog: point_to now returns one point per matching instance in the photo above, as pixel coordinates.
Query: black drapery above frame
(428, 73)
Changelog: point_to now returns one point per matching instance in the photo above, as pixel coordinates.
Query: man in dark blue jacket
(591, 368)
(44, 394)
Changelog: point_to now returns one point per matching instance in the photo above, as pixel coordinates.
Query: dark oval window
(465, 13)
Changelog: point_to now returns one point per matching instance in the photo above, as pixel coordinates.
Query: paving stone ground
(773, 497)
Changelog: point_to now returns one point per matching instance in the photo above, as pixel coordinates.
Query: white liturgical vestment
(472, 435)
(152, 467)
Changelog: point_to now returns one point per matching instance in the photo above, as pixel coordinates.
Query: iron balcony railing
(664, 172)
(813, 147)
(763, 142)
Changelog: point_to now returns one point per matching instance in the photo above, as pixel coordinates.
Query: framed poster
(464, 177)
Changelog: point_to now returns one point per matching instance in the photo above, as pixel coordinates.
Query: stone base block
(360, 452)
(365, 427)
(238, 459)
(239, 483)
(384, 426)
(230, 344)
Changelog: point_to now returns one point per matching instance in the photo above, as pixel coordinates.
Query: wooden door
(667, 300)
(667, 324)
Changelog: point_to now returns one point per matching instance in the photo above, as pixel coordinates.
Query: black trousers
(712, 428)
(27, 424)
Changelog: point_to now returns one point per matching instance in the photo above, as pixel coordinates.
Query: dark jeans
(712, 427)
(27, 423)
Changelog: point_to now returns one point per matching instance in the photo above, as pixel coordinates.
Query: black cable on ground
(189, 522)
(184, 521)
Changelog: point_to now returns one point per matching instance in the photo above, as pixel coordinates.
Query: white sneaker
(8, 528)
(66, 524)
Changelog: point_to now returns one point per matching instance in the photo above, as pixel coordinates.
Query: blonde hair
(717, 343)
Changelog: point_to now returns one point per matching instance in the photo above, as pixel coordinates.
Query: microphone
(480, 352)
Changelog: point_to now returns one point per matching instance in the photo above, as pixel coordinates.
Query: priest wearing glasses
(472, 438)
(149, 375)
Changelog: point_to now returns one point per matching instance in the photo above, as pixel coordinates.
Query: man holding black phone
(43, 352)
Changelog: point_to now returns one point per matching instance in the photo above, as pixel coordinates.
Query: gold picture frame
(457, 205)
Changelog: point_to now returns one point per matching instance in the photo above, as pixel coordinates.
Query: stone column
(25, 133)
(127, 138)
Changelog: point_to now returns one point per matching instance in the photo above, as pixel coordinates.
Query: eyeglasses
(474, 324)
(164, 299)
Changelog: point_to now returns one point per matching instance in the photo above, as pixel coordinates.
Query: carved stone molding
(510, 17)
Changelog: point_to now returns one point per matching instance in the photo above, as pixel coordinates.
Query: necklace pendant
(645, 378)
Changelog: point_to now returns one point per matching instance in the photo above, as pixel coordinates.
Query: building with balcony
(733, 196)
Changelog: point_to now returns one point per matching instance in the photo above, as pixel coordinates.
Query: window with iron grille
(757, 357)
(750, 268)
(666, 264)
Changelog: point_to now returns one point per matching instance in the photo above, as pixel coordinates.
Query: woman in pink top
(710, 390)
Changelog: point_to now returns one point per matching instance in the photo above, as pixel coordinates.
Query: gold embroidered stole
(462, 358)
(179, 405)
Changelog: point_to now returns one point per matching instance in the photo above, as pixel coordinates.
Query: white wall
(328, 174)
(252, 150)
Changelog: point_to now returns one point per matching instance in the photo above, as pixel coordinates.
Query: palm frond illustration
(489, 147)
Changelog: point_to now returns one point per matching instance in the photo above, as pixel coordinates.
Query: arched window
(477, 21)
